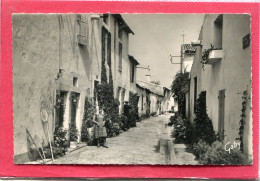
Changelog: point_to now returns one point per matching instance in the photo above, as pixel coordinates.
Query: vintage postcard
(132, 89)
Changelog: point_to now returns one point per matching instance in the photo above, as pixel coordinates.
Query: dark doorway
(60, 108)
(74, 104)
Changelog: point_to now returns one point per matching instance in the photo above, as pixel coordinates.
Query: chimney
(147, 78)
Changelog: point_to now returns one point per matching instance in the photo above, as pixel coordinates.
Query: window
(75, 82)
(82, 40)
(132, 74)
(120, 57)
(195, 92)
(218, 27)
(120, 31)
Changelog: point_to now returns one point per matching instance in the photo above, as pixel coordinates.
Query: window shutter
(120, 56)
(82, 39)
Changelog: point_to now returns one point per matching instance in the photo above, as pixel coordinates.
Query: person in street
(126, 114)
(100, 129)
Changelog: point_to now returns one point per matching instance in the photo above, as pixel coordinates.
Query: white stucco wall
(41, 45)
(232, 73)
(120, 78)
(187, 62)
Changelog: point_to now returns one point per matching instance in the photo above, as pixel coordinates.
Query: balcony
(214, 56)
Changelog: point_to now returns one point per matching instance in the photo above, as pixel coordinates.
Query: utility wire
(149, 28)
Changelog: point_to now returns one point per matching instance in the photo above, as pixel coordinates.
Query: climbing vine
(242, 120)
(73, 131)
(205, 56)
(89, 111)
(203, 128)
(105, 90)
(133, 103)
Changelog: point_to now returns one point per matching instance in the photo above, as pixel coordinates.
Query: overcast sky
(156, 37)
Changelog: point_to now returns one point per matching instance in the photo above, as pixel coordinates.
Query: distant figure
(100, 129)
(126, 113)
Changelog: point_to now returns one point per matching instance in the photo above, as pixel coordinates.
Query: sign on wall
(246, 41)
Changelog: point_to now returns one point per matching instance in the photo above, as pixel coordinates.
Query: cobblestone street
(138, 145)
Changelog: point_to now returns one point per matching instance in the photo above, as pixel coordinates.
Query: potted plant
(60, 141)
(73, 135)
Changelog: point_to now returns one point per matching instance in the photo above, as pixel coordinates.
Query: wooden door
(221, 113)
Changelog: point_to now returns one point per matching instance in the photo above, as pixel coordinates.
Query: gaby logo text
(230, 146)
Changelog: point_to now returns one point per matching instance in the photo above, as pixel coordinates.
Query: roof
(131, 58)
(188, 48)
(154, 88)
(166, 88)
(123, 24)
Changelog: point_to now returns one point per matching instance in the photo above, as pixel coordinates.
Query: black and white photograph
(132, 89)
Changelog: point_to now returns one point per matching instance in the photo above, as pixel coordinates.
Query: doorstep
(79, 145)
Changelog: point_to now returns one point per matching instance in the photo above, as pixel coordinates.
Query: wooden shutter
(221, 113)
(82, 39)
(120, 56)
(133, 72)
(109, 49)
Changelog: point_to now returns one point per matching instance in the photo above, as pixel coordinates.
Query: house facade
(123, 64)
(187, 56)
(144, 101)
(153, 99)
(167, 103)
(225, 75)
(57, 64)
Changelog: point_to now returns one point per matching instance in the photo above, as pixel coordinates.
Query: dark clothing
(126, 110)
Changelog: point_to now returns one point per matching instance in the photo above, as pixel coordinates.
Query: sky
(156, 37)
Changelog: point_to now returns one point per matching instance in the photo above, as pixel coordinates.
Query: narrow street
(138, 145)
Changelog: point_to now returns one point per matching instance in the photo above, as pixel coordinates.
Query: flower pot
(73, 144)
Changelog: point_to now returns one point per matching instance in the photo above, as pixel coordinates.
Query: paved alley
(138, 145)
